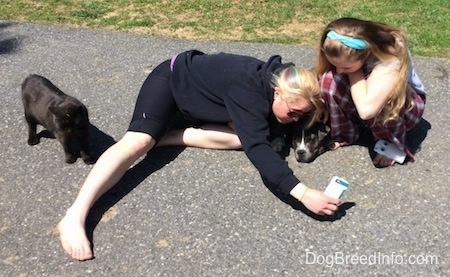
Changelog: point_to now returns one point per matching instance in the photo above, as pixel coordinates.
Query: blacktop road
(194, 212)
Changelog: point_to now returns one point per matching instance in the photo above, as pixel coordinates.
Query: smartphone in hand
(336, 188)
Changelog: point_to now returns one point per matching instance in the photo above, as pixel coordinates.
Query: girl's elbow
(366, 114)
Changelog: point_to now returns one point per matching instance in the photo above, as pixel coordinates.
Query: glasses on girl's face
(294, 114)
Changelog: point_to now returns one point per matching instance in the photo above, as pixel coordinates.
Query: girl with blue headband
(367, 81)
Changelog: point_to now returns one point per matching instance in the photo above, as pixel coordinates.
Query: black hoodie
(225, 88)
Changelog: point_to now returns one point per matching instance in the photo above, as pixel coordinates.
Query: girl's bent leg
(395, 131)
(342, 112)
(108, 170)
(211, 136)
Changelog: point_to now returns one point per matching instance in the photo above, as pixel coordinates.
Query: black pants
(155, 106)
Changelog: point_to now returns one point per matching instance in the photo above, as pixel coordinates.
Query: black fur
(316, 139)
(63, 115)
(308, 144)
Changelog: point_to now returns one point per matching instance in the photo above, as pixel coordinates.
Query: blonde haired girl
(236, 96)
(367, 79)
(295, 83)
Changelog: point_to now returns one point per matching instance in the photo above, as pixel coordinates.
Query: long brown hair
(383, 42)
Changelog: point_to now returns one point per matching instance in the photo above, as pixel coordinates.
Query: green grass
(426, 22)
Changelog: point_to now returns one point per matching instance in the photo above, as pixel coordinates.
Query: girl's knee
(138, 143)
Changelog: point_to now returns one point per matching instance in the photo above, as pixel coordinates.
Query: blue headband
(351, 42)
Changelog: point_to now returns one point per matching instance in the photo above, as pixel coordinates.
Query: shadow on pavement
(296, 205)
(8, 45)
(417, 135)
(155, 160)
(98, 141)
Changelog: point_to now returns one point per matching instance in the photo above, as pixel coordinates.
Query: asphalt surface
(194, 212)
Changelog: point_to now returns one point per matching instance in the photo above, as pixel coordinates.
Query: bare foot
(73, 238)
(382, 161)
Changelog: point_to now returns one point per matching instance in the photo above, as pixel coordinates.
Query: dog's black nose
(302, 156)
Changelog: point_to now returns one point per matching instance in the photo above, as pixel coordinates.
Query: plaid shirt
(345, 122)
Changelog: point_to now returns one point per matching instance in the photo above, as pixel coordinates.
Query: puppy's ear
(53, 110)
(79, 110)
(325, 137)
(56, 111)
(324, 130)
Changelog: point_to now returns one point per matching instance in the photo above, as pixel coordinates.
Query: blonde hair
(383, 42)
(297, 82)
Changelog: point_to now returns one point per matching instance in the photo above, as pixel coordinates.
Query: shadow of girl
(155, 160)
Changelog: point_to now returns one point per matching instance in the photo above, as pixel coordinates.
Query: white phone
(336, 188)
(389, 150)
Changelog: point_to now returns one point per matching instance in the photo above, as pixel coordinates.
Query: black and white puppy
(309, 143)
(63, 115)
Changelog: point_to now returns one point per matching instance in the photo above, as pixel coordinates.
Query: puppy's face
(308, 144)
(70, 117)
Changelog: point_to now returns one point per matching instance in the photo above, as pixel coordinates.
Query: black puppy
(61, 114)
(309, 143)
